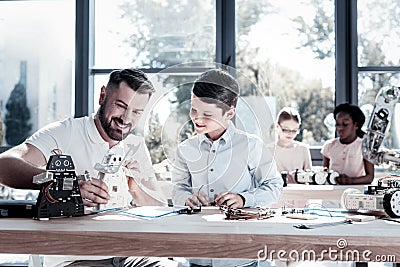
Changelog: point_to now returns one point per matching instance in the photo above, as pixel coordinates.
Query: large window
(159, 37)
(153, 34)
(36, 66)
(378, 57)
(37, 41)
(286, 48)
(285, 51)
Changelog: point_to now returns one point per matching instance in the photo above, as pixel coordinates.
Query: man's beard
(114, 134)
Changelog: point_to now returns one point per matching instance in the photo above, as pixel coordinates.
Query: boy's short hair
(218, 87)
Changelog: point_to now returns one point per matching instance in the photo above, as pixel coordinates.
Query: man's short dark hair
(136, 79)
(218, 87)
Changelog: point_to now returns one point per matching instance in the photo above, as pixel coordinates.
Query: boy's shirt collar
(225, 138)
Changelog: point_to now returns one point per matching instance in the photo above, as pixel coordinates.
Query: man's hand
(94, 192)
(229, 199)
(198, 199)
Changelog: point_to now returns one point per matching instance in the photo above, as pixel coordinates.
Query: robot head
(60, 163)
(112, 160)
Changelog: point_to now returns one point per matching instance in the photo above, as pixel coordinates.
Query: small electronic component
(241, 214)
(300, 214)
(59, 194)
(190, 210)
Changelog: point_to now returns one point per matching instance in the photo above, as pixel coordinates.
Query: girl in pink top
(344, 154)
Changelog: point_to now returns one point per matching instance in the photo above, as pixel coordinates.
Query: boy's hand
(229, 199)
(198, 199)
(132, 172)
(133, 168)
(94, 192)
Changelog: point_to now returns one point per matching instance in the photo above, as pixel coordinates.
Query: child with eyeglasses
(344, 153)
(290, 155)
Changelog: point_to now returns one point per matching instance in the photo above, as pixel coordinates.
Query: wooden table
(195, 237)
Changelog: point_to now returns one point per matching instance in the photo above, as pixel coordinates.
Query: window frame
(346, 73)
(84, 67)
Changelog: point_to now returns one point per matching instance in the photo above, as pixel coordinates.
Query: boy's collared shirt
(237, 162)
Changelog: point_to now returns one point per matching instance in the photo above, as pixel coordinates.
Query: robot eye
(382, 114)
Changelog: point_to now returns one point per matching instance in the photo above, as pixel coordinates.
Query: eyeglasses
(284, 130)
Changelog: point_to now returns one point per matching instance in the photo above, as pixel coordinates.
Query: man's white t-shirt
(80, 139)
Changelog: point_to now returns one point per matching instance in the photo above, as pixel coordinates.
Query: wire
(138, 215)
(323, 215)
(323, 208)
(48, 195)
(201, 187)
(314, 211)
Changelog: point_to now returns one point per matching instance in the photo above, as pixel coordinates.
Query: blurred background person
(290, 155)
(344, 153)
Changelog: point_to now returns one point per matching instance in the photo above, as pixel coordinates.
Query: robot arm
(382, 113)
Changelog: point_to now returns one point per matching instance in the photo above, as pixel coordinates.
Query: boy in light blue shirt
(222, 165)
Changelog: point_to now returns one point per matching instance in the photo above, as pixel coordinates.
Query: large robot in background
(386, 194)
(383, 112)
